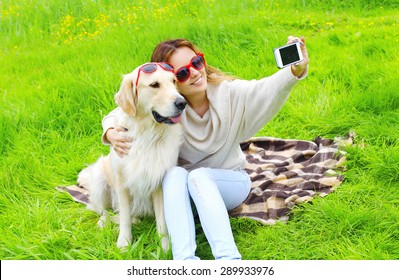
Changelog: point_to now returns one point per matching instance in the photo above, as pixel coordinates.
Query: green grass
(62, 61)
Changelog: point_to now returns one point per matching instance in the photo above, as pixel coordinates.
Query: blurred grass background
(62, 62)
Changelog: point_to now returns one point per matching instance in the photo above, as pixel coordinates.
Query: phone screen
(289, 54)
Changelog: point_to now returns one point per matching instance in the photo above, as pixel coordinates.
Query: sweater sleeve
(260, 100)
(109, 121)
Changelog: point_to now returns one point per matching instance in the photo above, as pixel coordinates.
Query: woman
(222, 112)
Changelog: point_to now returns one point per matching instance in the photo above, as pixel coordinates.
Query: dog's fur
(131, 184)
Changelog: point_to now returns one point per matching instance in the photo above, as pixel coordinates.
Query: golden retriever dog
(150, 111)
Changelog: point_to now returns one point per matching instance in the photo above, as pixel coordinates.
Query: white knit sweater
(237, 110)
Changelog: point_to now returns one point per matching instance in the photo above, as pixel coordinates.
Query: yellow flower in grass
(12, 10)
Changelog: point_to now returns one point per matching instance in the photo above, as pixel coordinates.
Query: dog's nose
(180, 103)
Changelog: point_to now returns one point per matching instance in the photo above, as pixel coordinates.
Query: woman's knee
(176, 171)
(199, 173)
(200, 182)
(176, 177)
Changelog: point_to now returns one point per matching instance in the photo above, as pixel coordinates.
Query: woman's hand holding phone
(299, 69)
(293, 54)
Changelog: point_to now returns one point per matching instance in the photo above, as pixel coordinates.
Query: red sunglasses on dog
(152, 67)
(197, 62)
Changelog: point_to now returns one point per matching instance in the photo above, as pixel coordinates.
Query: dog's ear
(126, 96)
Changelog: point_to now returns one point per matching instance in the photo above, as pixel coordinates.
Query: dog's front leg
(157, 200)
(125, 226)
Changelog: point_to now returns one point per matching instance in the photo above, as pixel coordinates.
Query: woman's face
(197, 82)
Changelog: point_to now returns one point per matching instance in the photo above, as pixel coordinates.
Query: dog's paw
(102, 221)
(123, 241)
(136, 220)
(165, 243)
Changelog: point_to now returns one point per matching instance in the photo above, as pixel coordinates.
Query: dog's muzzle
(180, 105)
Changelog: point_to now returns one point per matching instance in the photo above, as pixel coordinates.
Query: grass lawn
(62, 61)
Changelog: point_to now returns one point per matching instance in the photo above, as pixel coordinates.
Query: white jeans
(213, 191)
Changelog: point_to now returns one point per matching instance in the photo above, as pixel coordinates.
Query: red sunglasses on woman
(197, 62)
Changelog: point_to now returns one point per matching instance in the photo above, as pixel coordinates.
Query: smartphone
(288, 55)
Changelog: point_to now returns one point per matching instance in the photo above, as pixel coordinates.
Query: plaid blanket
(283, 173)
(288, 172)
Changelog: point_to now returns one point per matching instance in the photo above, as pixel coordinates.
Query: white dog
(150, 110)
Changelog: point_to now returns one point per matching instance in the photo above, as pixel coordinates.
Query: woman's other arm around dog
(111, 135)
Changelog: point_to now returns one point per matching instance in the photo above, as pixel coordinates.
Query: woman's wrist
(298, 71)
(106, 134)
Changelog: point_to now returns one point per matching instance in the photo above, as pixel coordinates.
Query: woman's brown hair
(165, 49)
